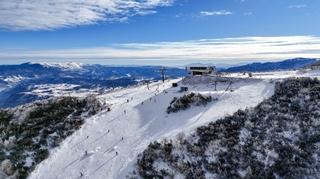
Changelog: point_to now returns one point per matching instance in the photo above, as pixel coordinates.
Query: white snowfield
(277, 74)
(107, 145)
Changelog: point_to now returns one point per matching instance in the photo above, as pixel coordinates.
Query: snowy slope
(277, 74)
(141, 124)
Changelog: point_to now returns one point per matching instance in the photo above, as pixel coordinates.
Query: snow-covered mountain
(65, 66)
(279, 138)
(141, 113)
(113, 142)
(142, 120)
(290, 64)
(20, 84)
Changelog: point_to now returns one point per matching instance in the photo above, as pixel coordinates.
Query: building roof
(200, 65)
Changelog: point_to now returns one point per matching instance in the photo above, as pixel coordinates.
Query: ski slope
(107, 144)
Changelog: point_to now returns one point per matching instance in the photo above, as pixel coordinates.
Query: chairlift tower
(162, 71)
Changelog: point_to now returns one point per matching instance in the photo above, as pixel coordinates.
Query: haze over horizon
(158, 32)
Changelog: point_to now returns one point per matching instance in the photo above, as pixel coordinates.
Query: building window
(198, 68)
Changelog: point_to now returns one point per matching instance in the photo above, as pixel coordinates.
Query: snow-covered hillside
(277, 74)
(108, 143)
(279, 138)
(29, 132)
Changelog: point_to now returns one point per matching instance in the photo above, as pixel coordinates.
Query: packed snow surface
(108, 143)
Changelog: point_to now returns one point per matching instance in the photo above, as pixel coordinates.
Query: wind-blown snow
(141, 120)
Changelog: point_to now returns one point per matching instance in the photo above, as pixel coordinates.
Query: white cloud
(297, 6)
(248, 13)
(226, 50)
(47, 14)
(215, 13)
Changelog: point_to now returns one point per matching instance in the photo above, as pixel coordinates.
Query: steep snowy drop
(108, 143)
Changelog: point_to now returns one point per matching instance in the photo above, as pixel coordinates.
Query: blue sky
(134, 32)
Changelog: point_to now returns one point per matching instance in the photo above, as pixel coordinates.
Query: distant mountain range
(27, 82)
(24, 83)
(272, 66)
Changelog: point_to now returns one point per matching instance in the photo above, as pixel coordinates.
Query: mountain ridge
(289, 64)
(19, 83)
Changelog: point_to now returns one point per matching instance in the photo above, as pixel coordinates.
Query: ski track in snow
(139, 125)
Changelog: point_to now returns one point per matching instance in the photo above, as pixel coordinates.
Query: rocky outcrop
(7, 167)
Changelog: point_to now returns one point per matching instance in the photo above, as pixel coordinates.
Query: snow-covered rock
(9, 143)
(3, 175)
(7, 167)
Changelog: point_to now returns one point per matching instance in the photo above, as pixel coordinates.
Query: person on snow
(116, 153)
